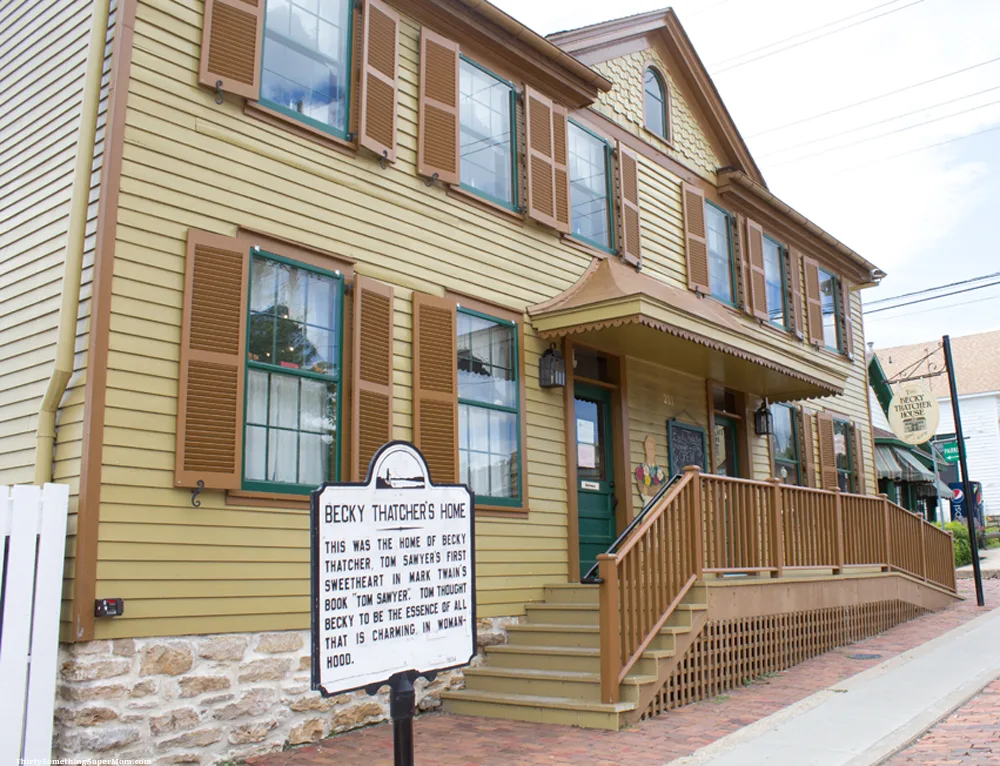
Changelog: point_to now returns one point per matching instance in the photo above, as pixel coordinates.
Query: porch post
(698, 520)
(923, 551)
(838, 514)
(777, 527)
(610, 622)
(888, 540)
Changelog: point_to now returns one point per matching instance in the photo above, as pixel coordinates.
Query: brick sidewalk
(970, 735)
(447, 740)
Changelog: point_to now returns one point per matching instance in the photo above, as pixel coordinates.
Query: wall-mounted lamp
(552, 368)
(763, 421)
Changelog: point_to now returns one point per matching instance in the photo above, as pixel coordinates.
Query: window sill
(586, 247)
(258, 111)
(501, 511)
(475, 200)
(267, 500)
(656, 140)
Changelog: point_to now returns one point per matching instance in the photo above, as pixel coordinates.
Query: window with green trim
(306, 62)
(590, 191)
(655, 103)
(843, 451)
(489, 414)
(829, 291)
(486, 117)
(293, 383)
(774, 279)
(720, 253)
(785, 444)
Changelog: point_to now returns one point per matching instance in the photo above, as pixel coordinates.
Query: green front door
(594, 473)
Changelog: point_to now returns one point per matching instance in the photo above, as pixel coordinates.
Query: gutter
(741, 179)
(70, 307)
(538, 43)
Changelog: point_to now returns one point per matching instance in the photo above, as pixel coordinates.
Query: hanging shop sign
(913, 413)
(393, 575)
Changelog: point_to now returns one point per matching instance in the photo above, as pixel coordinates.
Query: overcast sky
(926, 218)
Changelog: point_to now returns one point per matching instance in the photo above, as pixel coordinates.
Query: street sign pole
(966, 484)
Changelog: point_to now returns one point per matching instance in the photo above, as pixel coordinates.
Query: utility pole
(966, 484)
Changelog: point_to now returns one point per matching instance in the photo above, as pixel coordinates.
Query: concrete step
(558, 635)
(539, 709)
(549, 683)
(565, 658)
(571, 593)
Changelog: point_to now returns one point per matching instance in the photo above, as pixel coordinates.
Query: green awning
(886, 465)
(913, 470)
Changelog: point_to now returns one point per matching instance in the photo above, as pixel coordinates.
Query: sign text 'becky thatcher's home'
(304, 228)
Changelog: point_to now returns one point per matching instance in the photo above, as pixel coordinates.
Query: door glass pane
(725, 449)
(590, 440)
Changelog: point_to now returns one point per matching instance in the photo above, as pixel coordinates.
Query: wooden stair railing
(719, 525)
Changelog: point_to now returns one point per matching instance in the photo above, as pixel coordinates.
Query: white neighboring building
(977, 374)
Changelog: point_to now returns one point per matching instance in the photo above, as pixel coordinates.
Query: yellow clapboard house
(551, 263)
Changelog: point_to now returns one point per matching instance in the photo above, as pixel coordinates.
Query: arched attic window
(657, 120)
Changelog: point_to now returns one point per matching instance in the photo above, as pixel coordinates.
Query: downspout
(70, 307)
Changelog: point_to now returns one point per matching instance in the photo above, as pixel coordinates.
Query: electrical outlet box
(109, 607)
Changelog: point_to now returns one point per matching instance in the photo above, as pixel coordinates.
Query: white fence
(33, 532)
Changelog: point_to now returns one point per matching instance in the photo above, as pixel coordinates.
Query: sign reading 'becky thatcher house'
(393, 581)
(913, 413)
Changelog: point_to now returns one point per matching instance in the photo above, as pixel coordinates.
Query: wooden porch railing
(715, 524)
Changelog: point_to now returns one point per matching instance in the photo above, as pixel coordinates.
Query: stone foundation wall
(209, 699)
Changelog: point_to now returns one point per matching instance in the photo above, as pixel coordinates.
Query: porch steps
(549, 671)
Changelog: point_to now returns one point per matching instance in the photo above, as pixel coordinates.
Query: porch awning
(626, 312)
(937, 489)
(886, 465)
(913, 470)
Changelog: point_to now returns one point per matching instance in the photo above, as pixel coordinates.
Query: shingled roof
(977, 363)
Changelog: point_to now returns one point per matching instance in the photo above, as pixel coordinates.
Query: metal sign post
(966, 483)
(393, 583)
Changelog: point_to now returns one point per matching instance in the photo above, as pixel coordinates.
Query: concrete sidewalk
(989, 565)
(865, 719)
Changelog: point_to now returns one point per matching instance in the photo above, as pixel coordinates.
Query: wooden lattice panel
(729, 653)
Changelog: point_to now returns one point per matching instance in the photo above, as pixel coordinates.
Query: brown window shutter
(560, 139)
(827, 455)
(379, 77)
(859, 462)
(438, 142)
(807, 451)
(846, 325)
(737, 230)
(794, 264)
(357, 49)
(371, 390)
(814, 305)
(628, 190)
(435, 385)
(696, 238)
(231, 38)
(541, 157)
(212, 363)
(756, 279)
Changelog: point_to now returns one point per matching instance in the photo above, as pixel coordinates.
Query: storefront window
(720, 264)
(829, 290)
(774, 278)
(305, 68)
(588, 178)
(489, 429)
(486, 109)
(843, 452)
(785, 444)
(293, 376)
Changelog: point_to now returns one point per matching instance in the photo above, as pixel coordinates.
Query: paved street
(445, 740)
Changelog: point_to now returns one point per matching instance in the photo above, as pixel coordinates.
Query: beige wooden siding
(43, 50)
(691, 144)
(188, 162)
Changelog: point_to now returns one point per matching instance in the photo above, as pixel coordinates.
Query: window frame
(663, 100)
(609, 193)
(501, 503)
(732, 257)
(837, 308)
(514, 205)
(796, 444)
(849, 453)
(311, 122)
(782, 268)
(282, 488)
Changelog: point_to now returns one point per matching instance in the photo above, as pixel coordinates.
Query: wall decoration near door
(649, 477)
(686, 445)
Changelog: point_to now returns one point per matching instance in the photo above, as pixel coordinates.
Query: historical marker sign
(393, 581)
(913, 413)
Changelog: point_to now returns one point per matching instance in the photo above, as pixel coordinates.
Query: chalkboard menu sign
(686, 445)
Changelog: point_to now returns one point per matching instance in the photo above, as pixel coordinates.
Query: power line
(874, 98)
(882, 135)
(818, 37)
(931, 298)
(935, 289)
(879, 122)
(939, 308)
